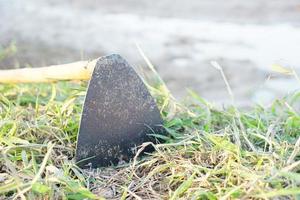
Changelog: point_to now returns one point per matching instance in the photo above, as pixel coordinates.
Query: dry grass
(208, 154)
(205, 156)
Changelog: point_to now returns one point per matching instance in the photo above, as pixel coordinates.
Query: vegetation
(209, 153)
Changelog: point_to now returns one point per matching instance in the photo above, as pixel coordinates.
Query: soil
(181, 38)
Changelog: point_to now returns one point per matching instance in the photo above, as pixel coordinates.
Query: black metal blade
(118, 115)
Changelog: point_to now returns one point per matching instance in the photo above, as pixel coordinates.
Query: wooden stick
(81, 70)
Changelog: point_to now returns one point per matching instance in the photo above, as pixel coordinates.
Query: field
(209, 153)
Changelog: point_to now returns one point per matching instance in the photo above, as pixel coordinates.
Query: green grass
(209, 153)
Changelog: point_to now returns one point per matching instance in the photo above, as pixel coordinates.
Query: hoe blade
(118, 115)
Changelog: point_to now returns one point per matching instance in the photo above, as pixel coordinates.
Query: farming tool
(119, 114)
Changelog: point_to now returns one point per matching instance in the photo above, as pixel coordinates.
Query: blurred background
(181, 38)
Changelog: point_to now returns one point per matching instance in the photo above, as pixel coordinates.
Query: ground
(208, 153)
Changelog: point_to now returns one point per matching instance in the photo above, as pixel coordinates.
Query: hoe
(119, 114)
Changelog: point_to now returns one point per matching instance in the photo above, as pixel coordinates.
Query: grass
(209, 153)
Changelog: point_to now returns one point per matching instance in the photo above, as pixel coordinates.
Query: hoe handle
(81, 70)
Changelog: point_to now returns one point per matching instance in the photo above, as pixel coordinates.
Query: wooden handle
(81, 70)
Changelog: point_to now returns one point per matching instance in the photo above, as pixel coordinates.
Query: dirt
(180, 37)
